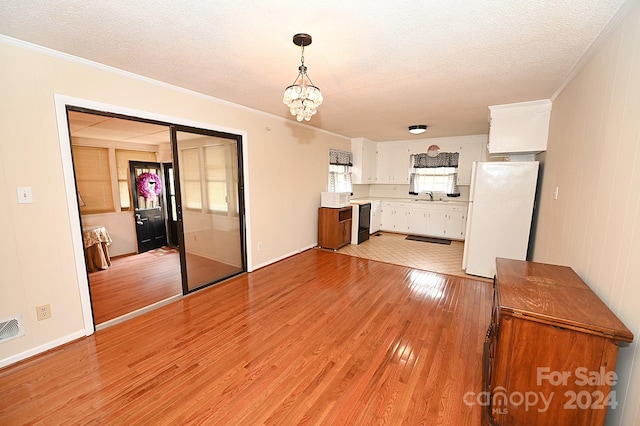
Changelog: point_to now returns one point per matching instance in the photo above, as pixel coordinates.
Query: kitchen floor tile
(395, 248)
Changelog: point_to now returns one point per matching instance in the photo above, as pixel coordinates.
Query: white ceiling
(92, 126)
(381, 65)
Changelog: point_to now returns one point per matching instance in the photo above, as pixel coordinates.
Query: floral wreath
(149, 185)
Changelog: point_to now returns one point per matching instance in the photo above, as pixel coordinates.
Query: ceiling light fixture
(302, 98)
(417, 129)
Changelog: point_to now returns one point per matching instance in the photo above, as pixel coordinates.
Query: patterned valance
(444, 159)
(340, 158)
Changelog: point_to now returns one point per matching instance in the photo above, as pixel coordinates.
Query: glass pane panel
(217, 196)
(208, 184)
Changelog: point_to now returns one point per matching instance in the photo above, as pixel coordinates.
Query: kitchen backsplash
(401, 191)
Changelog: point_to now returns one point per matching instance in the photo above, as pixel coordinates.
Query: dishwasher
(364, 222)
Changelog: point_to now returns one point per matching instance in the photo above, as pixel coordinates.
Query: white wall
(593, 158)
(286, 171)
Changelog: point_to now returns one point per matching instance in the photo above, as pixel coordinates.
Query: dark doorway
(147, 187)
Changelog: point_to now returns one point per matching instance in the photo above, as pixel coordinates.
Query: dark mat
(428, 239)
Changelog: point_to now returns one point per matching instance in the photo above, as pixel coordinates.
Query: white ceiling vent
(10, 328)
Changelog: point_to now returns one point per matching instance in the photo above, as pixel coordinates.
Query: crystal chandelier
(302, 97)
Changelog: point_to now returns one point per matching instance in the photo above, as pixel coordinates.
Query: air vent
(10, 328)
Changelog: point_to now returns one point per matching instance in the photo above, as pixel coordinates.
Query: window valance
(340, 158)
(444, 159)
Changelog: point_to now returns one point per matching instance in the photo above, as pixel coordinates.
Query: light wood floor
(319, 338)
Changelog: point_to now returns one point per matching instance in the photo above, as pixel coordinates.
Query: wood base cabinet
(334, 227)
(550, 352)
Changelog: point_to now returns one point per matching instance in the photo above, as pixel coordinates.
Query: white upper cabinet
(520, 128)
(393, 163)
(364, 161)
(469, 152)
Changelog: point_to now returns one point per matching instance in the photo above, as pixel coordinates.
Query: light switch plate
(25, 195)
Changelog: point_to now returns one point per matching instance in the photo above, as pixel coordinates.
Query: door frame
(240, 193)
(135, 201)
(61, 104)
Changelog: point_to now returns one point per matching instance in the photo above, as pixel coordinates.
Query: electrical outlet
(260, 246)
(43, 312)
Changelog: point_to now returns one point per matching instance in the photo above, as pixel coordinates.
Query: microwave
(335, 199)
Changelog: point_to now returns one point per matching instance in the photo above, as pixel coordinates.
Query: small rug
(162, 251)
(428, 239)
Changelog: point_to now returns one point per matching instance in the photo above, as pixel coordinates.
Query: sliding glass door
(210, 205)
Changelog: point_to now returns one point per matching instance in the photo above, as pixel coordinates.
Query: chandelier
(302, 97)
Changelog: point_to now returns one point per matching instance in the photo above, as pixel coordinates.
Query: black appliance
(364, 222)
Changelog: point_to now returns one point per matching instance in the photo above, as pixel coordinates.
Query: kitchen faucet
(430, 193)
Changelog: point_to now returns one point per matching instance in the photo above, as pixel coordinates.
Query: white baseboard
(42, 348)
(277, 259)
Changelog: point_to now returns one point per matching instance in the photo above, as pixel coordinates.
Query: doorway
(147, 189)
(161, 216)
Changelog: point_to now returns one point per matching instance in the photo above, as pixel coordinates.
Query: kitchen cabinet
(393, 163)
(424, 218)
(520, 128)
(436, 219)
(417, 221)
(395, 217)
(376, 219)
(551, 348)
(386, 217)
(363, 170)
(334, 227)
(455, 223)
(469, 152)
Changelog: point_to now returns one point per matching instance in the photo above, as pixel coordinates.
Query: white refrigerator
(501, 202)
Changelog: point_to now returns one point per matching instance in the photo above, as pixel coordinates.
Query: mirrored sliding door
(211, 227)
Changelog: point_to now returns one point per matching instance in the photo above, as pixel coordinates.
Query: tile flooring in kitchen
(395, 248)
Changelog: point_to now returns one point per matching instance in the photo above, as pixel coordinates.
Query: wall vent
(11, 328)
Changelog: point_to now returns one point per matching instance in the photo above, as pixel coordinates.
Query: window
(216, 177)
(93, 179)
(123, 157)
(434, 174)
(207, 174)
(434, 180)
(340, 163)
(190, 170)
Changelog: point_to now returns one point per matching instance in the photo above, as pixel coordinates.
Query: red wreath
(149, 185)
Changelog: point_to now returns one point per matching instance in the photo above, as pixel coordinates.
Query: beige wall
(286, 171)
(593, 159)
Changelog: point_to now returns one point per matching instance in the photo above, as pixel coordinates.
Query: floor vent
(11, 328)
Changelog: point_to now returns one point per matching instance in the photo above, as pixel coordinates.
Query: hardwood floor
(318, 338)
(135, 282)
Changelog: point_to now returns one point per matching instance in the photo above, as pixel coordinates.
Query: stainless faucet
(430, 193)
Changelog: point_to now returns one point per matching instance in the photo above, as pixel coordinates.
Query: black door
(147, 188)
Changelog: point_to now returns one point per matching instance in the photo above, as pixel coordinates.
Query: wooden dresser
(334, 227)
(551, 349)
